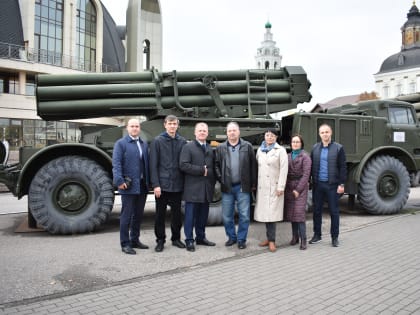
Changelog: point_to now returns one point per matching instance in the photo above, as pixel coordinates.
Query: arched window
(48, 34)
(267, 65)
(275, 64)
(86, 35)
(400, 59)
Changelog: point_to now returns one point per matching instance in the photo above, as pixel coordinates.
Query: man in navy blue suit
(130, 168)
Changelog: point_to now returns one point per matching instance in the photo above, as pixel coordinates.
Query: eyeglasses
(295, 141)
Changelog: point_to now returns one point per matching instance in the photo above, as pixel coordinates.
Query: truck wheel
(384, 186)
(215, 214)
(71, 195)
(4, 152)
(415, 179)
(215, 209)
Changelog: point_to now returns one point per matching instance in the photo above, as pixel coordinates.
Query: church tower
(411, 29)
(268, 55)
(400, 73)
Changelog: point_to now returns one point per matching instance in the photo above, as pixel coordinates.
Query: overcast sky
(340, 44)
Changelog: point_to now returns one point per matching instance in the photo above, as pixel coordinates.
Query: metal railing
(16, 52)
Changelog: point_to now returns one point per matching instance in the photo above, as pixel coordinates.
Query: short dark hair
(273, 131)
(171, 118)
(300, 138)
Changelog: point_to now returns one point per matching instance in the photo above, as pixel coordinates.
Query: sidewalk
(375, 270)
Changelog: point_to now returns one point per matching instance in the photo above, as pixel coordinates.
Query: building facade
(400, 73)
(58, 37)
(268, 55)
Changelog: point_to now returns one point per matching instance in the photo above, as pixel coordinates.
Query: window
(398, 89)
(386, 91)
(9, 83)
(412, 87)
(401, 115)
(48, 31)
(30, 85)
(86, 35)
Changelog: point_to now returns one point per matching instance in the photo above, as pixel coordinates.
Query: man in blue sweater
(329, 174)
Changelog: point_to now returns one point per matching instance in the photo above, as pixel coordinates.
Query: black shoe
(335, 242)
(315, 239)
(128, 250)
(205, 242)
(241, 244)
(178, 244)
(139, 244)
(230, 242)
(190, 247)
(159, 246)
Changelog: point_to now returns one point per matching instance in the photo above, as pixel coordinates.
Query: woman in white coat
(272, 175)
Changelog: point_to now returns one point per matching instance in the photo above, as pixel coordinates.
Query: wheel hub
(388, 186)
(72, 197)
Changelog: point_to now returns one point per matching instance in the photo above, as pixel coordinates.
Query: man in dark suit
(130, 168)
(196, 161)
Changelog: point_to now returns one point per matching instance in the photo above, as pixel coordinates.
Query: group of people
(178, 171)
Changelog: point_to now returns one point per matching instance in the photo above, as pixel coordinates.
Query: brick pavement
(376, 270)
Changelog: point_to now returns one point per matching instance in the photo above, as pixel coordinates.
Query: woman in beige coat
(272, 174)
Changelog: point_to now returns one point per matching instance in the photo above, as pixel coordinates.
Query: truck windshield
(401, 115)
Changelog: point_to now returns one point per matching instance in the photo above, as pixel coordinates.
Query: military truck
(69, 186)
(381, 139)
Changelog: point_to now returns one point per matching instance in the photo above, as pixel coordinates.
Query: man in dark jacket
(167, 181)
(236, 169)
(329, 173)
(130, 168)
(196, 162)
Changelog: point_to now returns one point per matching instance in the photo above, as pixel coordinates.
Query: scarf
(295, 153)
(265, 148)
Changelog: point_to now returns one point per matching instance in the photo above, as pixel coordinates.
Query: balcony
(41, 56)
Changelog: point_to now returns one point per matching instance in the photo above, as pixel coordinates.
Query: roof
(113, 49)
(11, 31)
(413, 17)
(338, 101)
(405, 59)
(409, 56)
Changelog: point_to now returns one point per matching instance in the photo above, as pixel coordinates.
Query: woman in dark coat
(296, 193)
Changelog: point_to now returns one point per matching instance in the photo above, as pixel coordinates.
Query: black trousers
(173, 199)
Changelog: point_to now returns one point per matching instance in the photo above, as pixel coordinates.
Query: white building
(268, 55)
(400, 73)
(65, 36)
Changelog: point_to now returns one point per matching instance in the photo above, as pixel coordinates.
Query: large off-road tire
(215, 214)
(4, 152)
(215, 210)
(415, 179)
(71, 195)
(384, 185)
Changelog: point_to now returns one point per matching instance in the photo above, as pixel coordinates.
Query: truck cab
(381, 139)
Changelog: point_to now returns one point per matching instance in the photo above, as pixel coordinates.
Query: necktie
(204, 147)
(139, 147)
